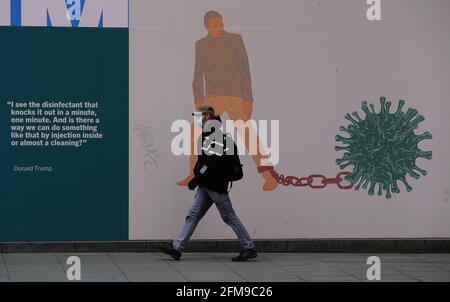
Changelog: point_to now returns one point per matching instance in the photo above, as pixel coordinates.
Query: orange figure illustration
(222, 80)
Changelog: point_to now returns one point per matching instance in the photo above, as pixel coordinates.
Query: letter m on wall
(114, 13)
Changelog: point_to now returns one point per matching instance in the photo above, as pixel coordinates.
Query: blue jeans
(204, 198)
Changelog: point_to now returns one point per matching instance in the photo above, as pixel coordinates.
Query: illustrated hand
(247, 108)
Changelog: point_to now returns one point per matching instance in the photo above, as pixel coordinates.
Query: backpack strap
(231, 185)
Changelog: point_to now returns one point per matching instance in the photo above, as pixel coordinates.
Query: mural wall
(361, 105)
(349, 117)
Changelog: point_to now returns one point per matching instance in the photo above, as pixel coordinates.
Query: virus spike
(355, 175)
(355, 114)
(412, 173)
(388, 191)
(388, 107)
(351, 157)
(401, 103)
(346, 165)
(359, 183)
(365, 108)
(408, 187)
(395, 188)
(340, 161)
(366, 183)
(393, 183)
(425, 154)
(342, 128)
(372, 108)
(408, 116)
(380, 188)
(353, 130)
(383, 106)
(372, 188)
(340, 148)
(423, 136)
(349, 117)
(423, 172)
(344, 140)
(415, 123)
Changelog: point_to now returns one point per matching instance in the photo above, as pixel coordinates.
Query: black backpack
(235, 171)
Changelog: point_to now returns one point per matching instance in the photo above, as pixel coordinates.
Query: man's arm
(198, 83)
(244, 70)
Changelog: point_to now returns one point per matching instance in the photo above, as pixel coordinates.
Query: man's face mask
(198, 119)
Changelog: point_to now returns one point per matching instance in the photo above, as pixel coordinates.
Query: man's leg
(223, 204)
(252, 142)
(201, 205)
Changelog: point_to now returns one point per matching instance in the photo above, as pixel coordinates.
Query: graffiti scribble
(145, 134)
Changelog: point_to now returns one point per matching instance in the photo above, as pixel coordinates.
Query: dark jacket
(213, 164)
(221, 68)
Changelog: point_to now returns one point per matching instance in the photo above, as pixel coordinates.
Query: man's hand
(193, 184)
(247, 108)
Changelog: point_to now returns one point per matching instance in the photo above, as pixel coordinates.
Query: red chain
(309, 181)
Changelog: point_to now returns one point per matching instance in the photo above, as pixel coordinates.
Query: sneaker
(171, 251)
(245, 255)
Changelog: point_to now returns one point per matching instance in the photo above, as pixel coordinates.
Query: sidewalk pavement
(157, 267)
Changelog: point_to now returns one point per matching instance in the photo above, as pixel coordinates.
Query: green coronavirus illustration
(382, 148)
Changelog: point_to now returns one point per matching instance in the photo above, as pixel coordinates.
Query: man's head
(207, 113)
(214, 24)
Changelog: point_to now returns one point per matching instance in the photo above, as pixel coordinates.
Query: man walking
(211, 178)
